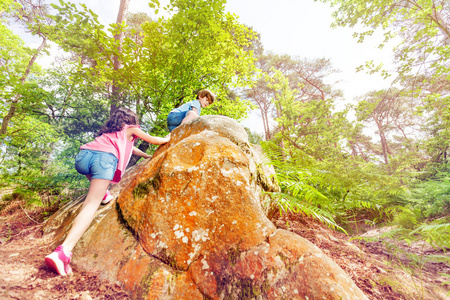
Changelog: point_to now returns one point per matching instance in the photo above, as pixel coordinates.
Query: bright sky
(299, 28)
(303, 29)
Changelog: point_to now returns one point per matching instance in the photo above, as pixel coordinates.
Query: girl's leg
(97, 190)
(108, 197)
(92, 164)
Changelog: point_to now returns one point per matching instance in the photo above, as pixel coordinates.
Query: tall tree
(121, 19)
(260, 93)
(293, 92)
(435, 97)
(17, 60)
(421, 30)
(380, 107)
(198, 46)
(307, 123)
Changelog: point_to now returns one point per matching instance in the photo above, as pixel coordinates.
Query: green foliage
(297, 204)
(15, 55)
(28, 146)
(426, 200)
(431, 197)
(437, 124)
(301, 192)
(198, 46)
(253, 137)
(73, 103)
(435, 234)
(406, 219)
(163, 62)
(30, 197)
(421, 28)
(343, 189)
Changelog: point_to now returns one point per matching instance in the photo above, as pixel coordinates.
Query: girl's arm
(147, 137)
(138, 152)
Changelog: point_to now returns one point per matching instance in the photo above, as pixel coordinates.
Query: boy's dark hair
(208, 94)
(121, 117)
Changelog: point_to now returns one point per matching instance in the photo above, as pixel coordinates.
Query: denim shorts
(101, 165)
(174, 119)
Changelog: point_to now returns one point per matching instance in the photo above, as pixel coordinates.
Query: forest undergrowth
(383, 268)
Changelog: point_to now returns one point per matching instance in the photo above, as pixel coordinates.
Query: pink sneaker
(58, 261)
(107, 198)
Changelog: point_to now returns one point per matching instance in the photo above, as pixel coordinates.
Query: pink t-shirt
(117, 144)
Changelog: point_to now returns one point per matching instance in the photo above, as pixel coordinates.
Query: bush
(406, 219)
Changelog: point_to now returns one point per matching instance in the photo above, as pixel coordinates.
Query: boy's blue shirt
(188, 106)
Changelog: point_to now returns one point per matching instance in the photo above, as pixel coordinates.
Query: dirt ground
(23, 273)
(377, 272)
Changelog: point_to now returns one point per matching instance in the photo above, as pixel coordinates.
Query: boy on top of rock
(190, 110)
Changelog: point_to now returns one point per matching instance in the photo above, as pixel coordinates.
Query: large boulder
(191, 223)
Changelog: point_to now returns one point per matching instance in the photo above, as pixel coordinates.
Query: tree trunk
(12, 108)
(442, 25)
(384, 144)
(265, 118)
(9, 115)
(143, 146)
(121, 17)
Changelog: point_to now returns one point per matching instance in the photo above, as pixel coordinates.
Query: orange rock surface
(190, 224)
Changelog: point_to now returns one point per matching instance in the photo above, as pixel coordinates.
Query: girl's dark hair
(121, 117)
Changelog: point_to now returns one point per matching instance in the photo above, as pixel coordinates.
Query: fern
(299, 185)
(293, 204)
(437, 235)
(431, 196)
(446, 282)
(343, 189)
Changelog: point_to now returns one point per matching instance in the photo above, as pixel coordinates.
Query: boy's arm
(193, 113)
(196, 106)
(138, 152)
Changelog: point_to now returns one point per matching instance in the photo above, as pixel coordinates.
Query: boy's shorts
(101, 165)
(174, 119)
